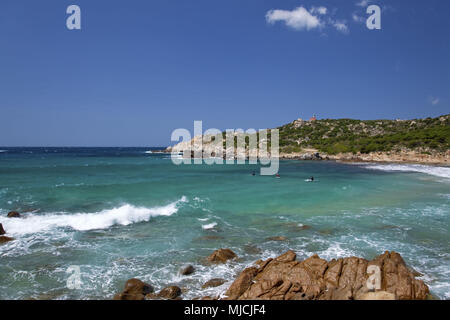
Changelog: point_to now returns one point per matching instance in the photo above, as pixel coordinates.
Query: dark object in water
(13, 214)
(4, 239)
(2, 231)
(134, 289)
(213, 283)
(277, 238)
(221, 256)
(187, 270)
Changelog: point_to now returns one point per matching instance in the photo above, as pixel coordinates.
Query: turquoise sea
(118, 213)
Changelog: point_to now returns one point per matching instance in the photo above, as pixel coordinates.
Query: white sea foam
(443, 172)
(209, 226)
(149, 152)
(124, 215)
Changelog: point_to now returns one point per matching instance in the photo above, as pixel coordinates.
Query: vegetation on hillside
(334, 136)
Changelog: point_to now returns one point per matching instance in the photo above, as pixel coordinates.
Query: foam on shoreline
(443, 172)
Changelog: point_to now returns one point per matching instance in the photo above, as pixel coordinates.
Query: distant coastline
(417, 141)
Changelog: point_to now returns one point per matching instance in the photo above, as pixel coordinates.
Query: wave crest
(123, 215)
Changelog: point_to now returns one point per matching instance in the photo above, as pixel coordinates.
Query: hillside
(415, 141)
(334, 136)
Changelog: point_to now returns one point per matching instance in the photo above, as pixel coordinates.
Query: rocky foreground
(386, 277)
(285, 278)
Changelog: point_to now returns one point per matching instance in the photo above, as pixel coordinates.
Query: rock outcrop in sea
(285, 278)
(221, 256)
(136, 289)
(13, 214)
(386, 277)
(4, 239)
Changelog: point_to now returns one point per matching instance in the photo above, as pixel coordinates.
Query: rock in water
(221, 256)
(213, 283)
(135, 289)
(277, 238)
(284, 278)
(171, 292)
(2, 231)
(187, 270)
(13, 214)
(4, 239)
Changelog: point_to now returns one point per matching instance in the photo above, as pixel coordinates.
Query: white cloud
(319, 10)
(302, 19)
(357, 18)
(298, 19)
(341, 26)
(434, 100)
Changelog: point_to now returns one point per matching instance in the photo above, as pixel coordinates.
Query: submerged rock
(221, 256)
(213, 283)
(301, 227)
(208, 238)
(13, 214)
(278, 238)
(2, 231)
(135, 289)
(285, 278)
(4, 239)
(252, 249)
(187, 270)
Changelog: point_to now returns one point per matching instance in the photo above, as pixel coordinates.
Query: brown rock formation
(134, 289)
(4, 239)
(221, 256)
(2, 231)
(284, 278)
(213, 283)
(187, 270)
(13, 214)
(171, 292)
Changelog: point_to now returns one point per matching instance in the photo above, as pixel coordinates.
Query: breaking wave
(124, 215)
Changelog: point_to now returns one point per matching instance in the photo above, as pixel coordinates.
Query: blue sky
(139, 69)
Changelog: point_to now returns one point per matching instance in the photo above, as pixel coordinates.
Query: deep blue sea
(119, 213)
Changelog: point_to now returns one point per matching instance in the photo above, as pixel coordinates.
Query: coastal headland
(417, 141)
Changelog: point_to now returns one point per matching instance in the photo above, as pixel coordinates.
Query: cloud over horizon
(301, 19)
(298, 19)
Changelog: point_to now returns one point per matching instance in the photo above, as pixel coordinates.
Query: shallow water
(119, 213)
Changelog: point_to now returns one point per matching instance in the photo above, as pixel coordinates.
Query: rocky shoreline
(386, 277)
(375, 157)
(404, 156)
